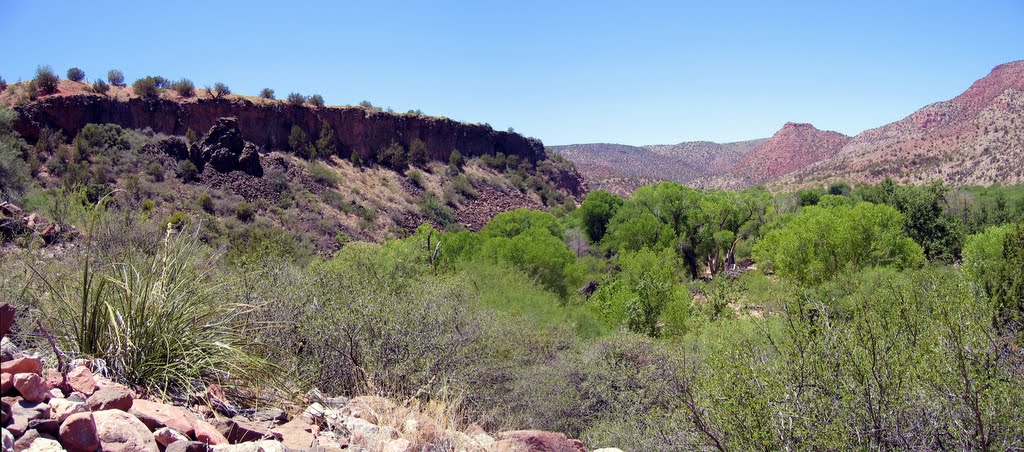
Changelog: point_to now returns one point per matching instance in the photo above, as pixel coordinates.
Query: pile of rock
(15, 223)
(46, 410)
(222, 148)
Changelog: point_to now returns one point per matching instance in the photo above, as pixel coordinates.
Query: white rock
(255, 446)
(44, 445)
(8, 441)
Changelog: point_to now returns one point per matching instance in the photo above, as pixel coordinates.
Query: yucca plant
(158, 323)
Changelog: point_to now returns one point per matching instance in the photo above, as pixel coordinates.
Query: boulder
(6, 383)
(5, 412)
(78, 433)
(541, 441)
(55, 380)
(119, 431)
(60, 408)
(23, 412)
(25, 440)
(47, 426)
(31, 386)
(157, 415)
(44, 445)
(28, 364)
(398, 445)
(224, 149)
(186, 446)
(167, 436)
(270, 415)
(256, 446)
(80, 379)
(7, 442)
(242, 431)
(207, 433)
(296, 434)
(114, 397)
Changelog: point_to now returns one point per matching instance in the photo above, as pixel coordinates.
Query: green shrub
(3, 85)
(176, 221)
(76, 75)
(244, 211)
(184, 87)
(355, 159)
(463, 187)
(205, 202)
(316, 100)
(296, 99)
(100, 87)
(187, 171)
(455, 161)
(325, 145)
(437, 211)
(416, 176)
(299, 143)
(322, 174)
(267, 93)
(147, 87)
(418, 153)
(115, 77)
(220, 90)
(393, 156)
(156, 171)
(45, 82)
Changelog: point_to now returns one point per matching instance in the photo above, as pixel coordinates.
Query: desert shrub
(76, 75)
(176, 221)
(147, 87)
(455, 162)
(100, 140)
(299, 142)
(418, 153)
(316, 100)
(206, 203)
(325, 145)
(541, 255)
(14, 173)
(514, 222)
(436, 210)
(45, 81)
(156, 171)
(393, 156)
(191, 137)
(115, 77)
(296, 99)
(322, 174)
(158, 322)
(187, 171)
(184, 87)
(244, 211)
(3, 85)
(462, 186)
(416, 176)
(220, 90)
(100, 87)
(267, 93)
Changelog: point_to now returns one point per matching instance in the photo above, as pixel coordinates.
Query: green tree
(316, 100)
(325, 145)
(821, 242)
(147, 87)
(220, 90)
(515, 222)
(76, 75)
(299, 143)
(267, 93)
(540, 254)
(455, 161)
(418, 153)
(296, 99)
(115, 77)
(46, 81)
(393, 156)
(597, 209)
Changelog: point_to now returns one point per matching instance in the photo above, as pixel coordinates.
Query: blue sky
(565, 72)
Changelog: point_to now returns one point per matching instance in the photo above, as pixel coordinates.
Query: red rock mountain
(794, 147)
(974, 138)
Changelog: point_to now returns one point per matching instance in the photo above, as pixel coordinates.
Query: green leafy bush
(296, 99)
(76, 75)
(147, 87)
(187, 171)
(393, 156)
(206, 203)
(115, 77)
(299, 143)
(418, 153)
(46, 81)
(322, 174)
(316, 100)
(244, 211)
(267, 93)
(184, 87)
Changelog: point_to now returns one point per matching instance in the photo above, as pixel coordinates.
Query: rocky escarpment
(268, 124)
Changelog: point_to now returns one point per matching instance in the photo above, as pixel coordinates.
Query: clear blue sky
(565, 72)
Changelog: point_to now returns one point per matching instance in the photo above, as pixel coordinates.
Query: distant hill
(974, 138)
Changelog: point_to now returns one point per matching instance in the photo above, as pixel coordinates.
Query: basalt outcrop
(268, 124)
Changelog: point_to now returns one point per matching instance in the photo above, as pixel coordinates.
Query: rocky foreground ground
(44, 409)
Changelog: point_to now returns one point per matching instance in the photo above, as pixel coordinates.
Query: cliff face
(268, 125)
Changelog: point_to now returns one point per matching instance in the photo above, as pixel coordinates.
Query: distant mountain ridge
(974, 138)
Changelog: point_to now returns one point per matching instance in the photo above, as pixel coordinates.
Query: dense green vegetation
(868, 317)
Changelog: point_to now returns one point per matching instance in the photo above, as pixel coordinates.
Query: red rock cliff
(268, 125)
